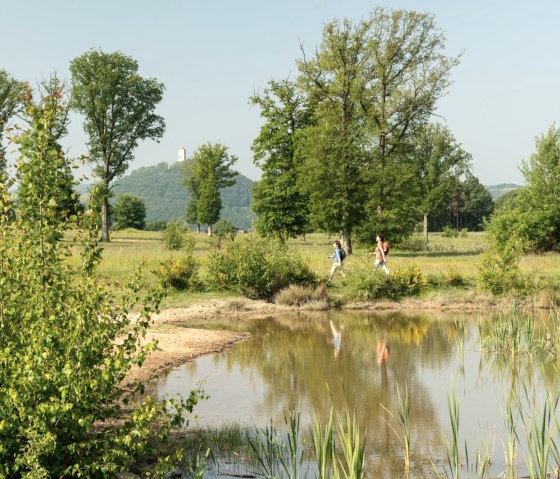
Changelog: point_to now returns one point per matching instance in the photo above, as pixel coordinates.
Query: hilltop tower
(181, 156)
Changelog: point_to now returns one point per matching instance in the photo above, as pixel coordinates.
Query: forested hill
(166, 197)
(500, 190)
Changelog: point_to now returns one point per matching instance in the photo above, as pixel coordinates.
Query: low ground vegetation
(450, 267)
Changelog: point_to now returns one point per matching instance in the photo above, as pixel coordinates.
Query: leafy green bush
(454, 278)
(156, 226)
(257, 267)
(464, 233)
(449, 232)
(66, 343)
(414, 243)
(499, 272)
(400, 283)
(179, 273)
(130, 212)
(178, 236)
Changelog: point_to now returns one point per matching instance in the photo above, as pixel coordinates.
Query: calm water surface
(361, 360)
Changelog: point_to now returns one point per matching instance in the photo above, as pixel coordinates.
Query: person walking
(381, 252)
(338, 261)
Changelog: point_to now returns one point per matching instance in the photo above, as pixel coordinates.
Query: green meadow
(444, 258)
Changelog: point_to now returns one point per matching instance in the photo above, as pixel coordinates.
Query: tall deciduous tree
(440, 159)
(374, 84)
(10, 101)
(205, 173)
(406, 73)
(333, 79)
(278, 198)
(119, 109)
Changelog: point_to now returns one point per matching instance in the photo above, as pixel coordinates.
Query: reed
(323, 444)
(452, 446)
(402, 418)
(540, 430)
(350, 464)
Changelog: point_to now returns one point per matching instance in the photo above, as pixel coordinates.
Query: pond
(365, 362)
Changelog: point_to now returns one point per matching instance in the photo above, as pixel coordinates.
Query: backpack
(342, 254)
(386, 248)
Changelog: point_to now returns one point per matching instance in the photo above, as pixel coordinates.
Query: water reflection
(360, 360)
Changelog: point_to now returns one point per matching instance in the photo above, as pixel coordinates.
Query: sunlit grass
(460, 256)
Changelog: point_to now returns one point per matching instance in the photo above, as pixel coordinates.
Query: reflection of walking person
(337, 339)
(381, 252)
(383, 352)
(338, 260)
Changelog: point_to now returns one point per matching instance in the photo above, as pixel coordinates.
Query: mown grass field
(130, 248)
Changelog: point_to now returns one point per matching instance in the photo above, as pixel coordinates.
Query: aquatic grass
(510, 451)
(323, 445)
(451, 447)
(350, 464)
(267, 449)
(539, 432)
(403, 420)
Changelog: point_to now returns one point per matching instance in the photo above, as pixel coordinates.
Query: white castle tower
(181, 156)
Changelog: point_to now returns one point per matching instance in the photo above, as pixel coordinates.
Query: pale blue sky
(213, 54)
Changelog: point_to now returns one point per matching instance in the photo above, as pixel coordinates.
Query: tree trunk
(198, 228)
(346, 241)
(105, 220)
(426, 227)
(209, 230)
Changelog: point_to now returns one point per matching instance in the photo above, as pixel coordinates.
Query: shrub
(177, 236)
(130, 212)
(156, 226)
(449, 232)
(296, 295)
(400, 283)
(179, 273)
(499, 272)
(257, 267)
(414, 243)
(66, 342)
(454, 278)
(464, 233)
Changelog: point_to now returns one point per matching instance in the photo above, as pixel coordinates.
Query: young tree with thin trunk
(119, 111)
(205, 174)
(440, 160)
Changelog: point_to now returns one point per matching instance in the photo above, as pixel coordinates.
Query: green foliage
(278, 199)
(156, 226)
(449, 232)
(400, 283)
(66, 343)
(533, 215)
(10, 103)
(499, 272)
(413, 243)
(358, 172)
(179, 273)
(130, 212)
(178, 236)
(119, 111)
(257, 267)
(208, 171)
